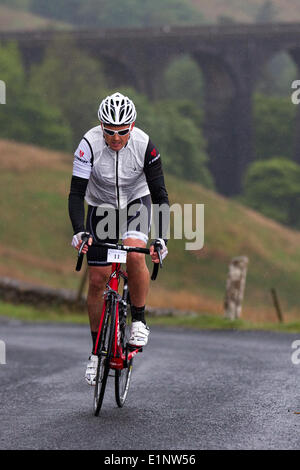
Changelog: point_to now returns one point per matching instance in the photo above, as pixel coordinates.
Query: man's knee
(98, 277)
(135, 261)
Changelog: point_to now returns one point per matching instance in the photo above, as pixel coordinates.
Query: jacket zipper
(117, 180)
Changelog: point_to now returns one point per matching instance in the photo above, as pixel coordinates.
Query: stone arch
(220, 92)
(118, 72)
(148, 67)
(190, 71)
(270, 55)
(237, 53)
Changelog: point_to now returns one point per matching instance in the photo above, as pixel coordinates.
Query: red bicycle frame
(120, 358)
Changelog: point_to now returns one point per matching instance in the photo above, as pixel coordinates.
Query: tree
(277, 75)
(273, 118)
(39, 124)
(267, 12)
(119, 14)
(65, 11)
(225, 20)
(273, 188)
(72, 81)
(27, 117)
(11, 69)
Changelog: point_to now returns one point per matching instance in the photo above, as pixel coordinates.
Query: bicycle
(112, 346)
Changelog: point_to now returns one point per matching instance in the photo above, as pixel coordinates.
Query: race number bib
(116, 256)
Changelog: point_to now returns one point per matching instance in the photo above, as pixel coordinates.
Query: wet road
(189, 390)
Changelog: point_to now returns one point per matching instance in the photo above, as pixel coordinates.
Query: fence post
(235, 287)
(276, 305)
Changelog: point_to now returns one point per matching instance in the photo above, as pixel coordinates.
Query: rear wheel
(123, 376)
(104, 354)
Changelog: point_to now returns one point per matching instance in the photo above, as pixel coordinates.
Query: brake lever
(84, 240)
(158, 249)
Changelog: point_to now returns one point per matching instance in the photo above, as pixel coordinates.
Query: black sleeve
(156, 183)
(76, 203)
(154, 175)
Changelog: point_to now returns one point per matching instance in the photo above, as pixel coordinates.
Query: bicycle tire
(105, 353)
(123, 376)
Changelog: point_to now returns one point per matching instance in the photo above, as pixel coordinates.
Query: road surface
(190, 390)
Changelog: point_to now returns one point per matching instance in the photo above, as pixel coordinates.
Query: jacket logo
(153, 153)
(81, 153)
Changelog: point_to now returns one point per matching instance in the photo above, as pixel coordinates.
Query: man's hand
(77, 242)
(163, 252)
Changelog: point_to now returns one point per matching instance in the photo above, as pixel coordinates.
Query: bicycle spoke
(105, 353)
(123, 376)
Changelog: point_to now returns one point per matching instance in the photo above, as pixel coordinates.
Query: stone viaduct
(231, 58)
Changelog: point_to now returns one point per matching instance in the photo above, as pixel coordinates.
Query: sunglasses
(121, 132)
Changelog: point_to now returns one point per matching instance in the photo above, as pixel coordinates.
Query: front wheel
(104, 354)
(123, 376)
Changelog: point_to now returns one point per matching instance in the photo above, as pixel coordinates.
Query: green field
(36, 233)
(27, 313)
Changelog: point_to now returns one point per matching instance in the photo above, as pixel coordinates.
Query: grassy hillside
(35, 235)
(246, 12)
(14, 19)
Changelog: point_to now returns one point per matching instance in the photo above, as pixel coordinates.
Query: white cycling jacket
(116, 178)
(103, 176)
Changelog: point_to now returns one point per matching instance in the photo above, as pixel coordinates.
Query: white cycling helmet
(117, 110)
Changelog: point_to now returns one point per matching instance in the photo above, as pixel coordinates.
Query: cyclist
(118, 168)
